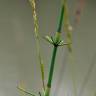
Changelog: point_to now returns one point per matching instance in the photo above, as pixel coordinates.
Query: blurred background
(18, 59)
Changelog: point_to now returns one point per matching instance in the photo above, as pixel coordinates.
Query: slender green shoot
(23, 90)
(36, 29)
(56, 41)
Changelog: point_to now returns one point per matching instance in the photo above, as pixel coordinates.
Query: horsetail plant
(55, 41)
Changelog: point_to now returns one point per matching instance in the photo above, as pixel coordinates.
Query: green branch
(56, 42)
(21, 89)
(52, 66)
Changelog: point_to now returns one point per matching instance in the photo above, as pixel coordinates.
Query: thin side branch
(23, 90)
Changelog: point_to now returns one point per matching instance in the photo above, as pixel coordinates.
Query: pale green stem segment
(56, 41)
(41, 63)
(29, 93)
(33, 5)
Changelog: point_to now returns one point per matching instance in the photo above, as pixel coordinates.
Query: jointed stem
(56, 42)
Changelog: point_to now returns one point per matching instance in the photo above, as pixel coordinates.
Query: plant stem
(61, 19)
(25, 91)
(56, 40)
(52, 66)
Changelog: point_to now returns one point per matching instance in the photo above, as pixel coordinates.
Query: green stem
(61, 19)
(26, 91)
(52, 67)
(57, 39)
